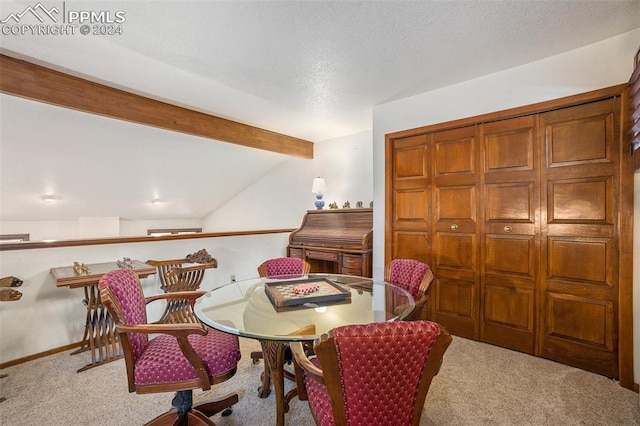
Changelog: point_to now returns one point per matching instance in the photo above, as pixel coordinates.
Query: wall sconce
(319, 187)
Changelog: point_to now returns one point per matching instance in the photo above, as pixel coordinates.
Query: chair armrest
(177, 330)
(191, 295)
(302, 361)
(178, 270)
(165, 262)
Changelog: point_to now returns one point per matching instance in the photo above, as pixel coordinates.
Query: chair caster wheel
(227, 412)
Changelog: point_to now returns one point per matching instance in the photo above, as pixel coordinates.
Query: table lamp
(318, 188)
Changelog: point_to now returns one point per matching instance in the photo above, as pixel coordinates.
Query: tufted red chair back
(131, 309)
(407, 273)
(283, 267)
(376, 374)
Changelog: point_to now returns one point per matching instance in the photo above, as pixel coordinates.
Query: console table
(100, 336)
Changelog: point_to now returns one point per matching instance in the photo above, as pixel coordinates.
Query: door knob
(508, 228)
(454, 227)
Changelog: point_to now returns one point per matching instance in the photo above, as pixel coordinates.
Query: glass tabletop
(273, 309)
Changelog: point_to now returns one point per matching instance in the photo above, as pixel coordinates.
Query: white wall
(280, 198)
(596, 66)
(71, 229)
(48, 317)
(42, 230)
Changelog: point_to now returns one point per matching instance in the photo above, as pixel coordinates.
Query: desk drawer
(323, 255)
(351, 271)
(351, 261)
(295, 252)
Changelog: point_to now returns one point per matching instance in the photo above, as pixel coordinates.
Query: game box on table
(282, 295)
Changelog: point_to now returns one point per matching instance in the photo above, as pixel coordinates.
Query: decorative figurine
(10, 281)
(201, 256)
(80, 268)
(371, 204)
(359, 205)
(333, 205)
(125, 263)
(346, 205)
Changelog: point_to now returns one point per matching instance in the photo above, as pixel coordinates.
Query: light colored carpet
(478, 384)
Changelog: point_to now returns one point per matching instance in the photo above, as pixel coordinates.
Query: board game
(306, 293)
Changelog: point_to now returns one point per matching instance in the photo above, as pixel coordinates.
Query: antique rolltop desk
(336, 241)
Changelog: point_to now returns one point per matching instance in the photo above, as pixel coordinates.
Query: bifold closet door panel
(455, 206)
(510, 234)
(579, 290)
(411, 198)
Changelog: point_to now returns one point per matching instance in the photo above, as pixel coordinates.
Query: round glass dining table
(258, 308)
(280, 310)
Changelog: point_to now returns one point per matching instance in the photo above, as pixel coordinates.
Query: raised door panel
(510, 233)
(455, 231)
(590, 126)
(456, 306)
(581, 201)
(509, 145)
(579, 286)
(410, 161)
(411, 245)
(409, 211)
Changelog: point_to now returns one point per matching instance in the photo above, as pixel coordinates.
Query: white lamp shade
(319, 186)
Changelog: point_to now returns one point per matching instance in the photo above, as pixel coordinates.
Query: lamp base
(319, 202)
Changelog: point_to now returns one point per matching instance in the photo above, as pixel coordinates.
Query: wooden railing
(27, 245)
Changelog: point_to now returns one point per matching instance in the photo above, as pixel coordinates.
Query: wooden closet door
(510, 240)
(455, 207)
(411, 185)
(579, 283)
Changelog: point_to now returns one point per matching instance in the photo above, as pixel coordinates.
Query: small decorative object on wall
(333, 205)
(80, 268)
(359, 205)
(346, 205)
(319, 187)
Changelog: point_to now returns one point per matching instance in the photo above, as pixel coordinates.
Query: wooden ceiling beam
(31, 81)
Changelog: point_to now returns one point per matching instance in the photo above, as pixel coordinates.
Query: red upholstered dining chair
(182, 357)
(284, 267)
(415, 277)
(278, 268)
(371, 374)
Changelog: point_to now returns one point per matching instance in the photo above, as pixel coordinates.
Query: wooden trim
(388, 199)
(39, 355)
(537, 108)
(625, 269)
(35, 82)
(126, 240)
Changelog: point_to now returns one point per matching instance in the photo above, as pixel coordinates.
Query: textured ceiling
(310, 69)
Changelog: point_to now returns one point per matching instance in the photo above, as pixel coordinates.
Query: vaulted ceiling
(309, 69)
